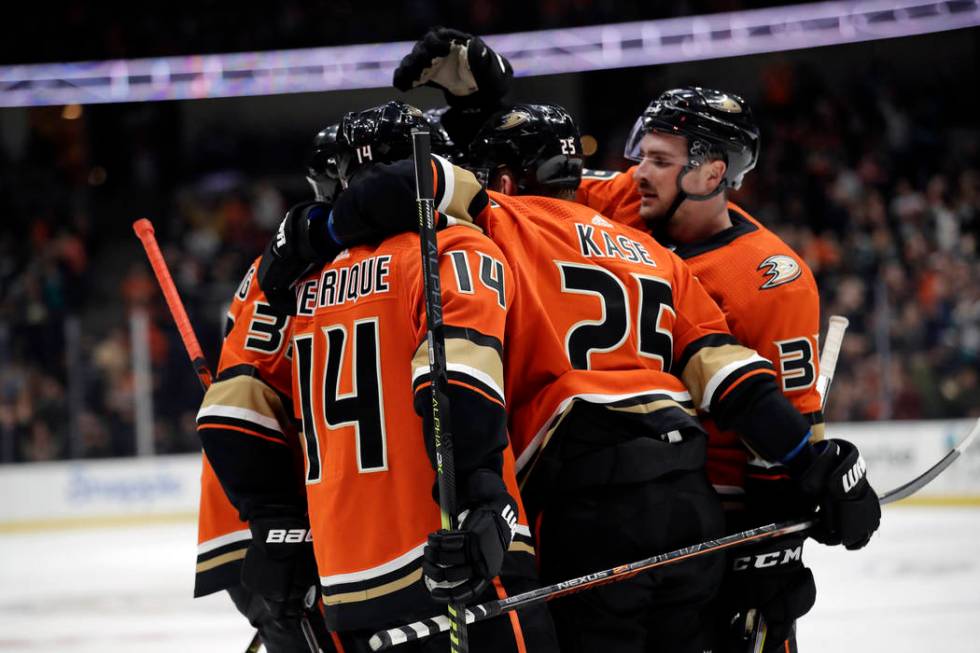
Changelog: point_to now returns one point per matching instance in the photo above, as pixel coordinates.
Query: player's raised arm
(473, 78)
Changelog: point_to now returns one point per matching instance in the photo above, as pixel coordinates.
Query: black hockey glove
(835, 475)
(303, 238)
(279, 565)
(459, 564)
(770, 578)
(461, 65)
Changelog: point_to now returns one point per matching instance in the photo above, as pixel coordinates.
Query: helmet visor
(632, 150)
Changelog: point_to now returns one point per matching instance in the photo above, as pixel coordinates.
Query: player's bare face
(656, 176)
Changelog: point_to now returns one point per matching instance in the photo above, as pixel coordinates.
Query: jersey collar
(740, 227)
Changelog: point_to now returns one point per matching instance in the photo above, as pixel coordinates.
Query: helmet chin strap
(684, 195)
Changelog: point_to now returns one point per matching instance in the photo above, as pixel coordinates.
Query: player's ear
(504, 182)
(715, 173)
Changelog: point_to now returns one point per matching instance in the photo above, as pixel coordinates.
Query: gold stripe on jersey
(522, 547)
(480, 362)
(653, 407)
(245, 399)
(374, 592)
(710, 366)
(816, 432)
(460, 187)
(224, 559)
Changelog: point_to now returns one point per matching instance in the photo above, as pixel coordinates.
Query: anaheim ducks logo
(725, 103)
(780, 269)
(513, 119)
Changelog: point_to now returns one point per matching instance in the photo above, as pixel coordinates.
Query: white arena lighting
(546, 52)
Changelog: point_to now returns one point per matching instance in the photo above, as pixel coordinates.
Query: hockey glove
(461, 65)
(303, 239)
(769, 577)
(835, 475)
(459, 564)
(279, 564)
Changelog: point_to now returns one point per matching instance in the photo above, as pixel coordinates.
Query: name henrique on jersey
(360, 374)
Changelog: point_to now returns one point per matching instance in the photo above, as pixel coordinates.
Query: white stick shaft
(830, 353)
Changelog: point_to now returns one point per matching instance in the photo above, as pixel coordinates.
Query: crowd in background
(875, 190)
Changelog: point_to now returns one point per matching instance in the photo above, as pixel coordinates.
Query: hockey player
(692, 145)
(612, 451)
(366, 460)
(249, 404)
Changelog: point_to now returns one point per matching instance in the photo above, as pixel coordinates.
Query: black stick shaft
(441, 427)
(387, 638)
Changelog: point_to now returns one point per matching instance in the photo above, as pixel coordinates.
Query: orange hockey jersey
(770, 301)
(638, 332)
(612, 194)
(360, 361)
(767, 293)
(249, 398)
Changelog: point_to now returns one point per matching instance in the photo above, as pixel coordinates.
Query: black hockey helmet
(715, 124)
(381, 134)
(323, 169)
(539, 142)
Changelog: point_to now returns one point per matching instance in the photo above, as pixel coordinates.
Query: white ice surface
(915, 588)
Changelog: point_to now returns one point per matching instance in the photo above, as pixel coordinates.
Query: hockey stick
(831, 352)
(144, 231)
(387, 638)
(441, 427)
(836, 327)
(420, 629)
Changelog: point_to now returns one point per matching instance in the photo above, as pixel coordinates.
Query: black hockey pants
(585, 527)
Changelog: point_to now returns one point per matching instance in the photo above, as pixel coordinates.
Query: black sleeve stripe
(710, 340)
(220, 420)
(475, 337)
(462, 377)
(422, 382)
(816, 417)
(244, 369)
(733, 378)
(479, 204)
